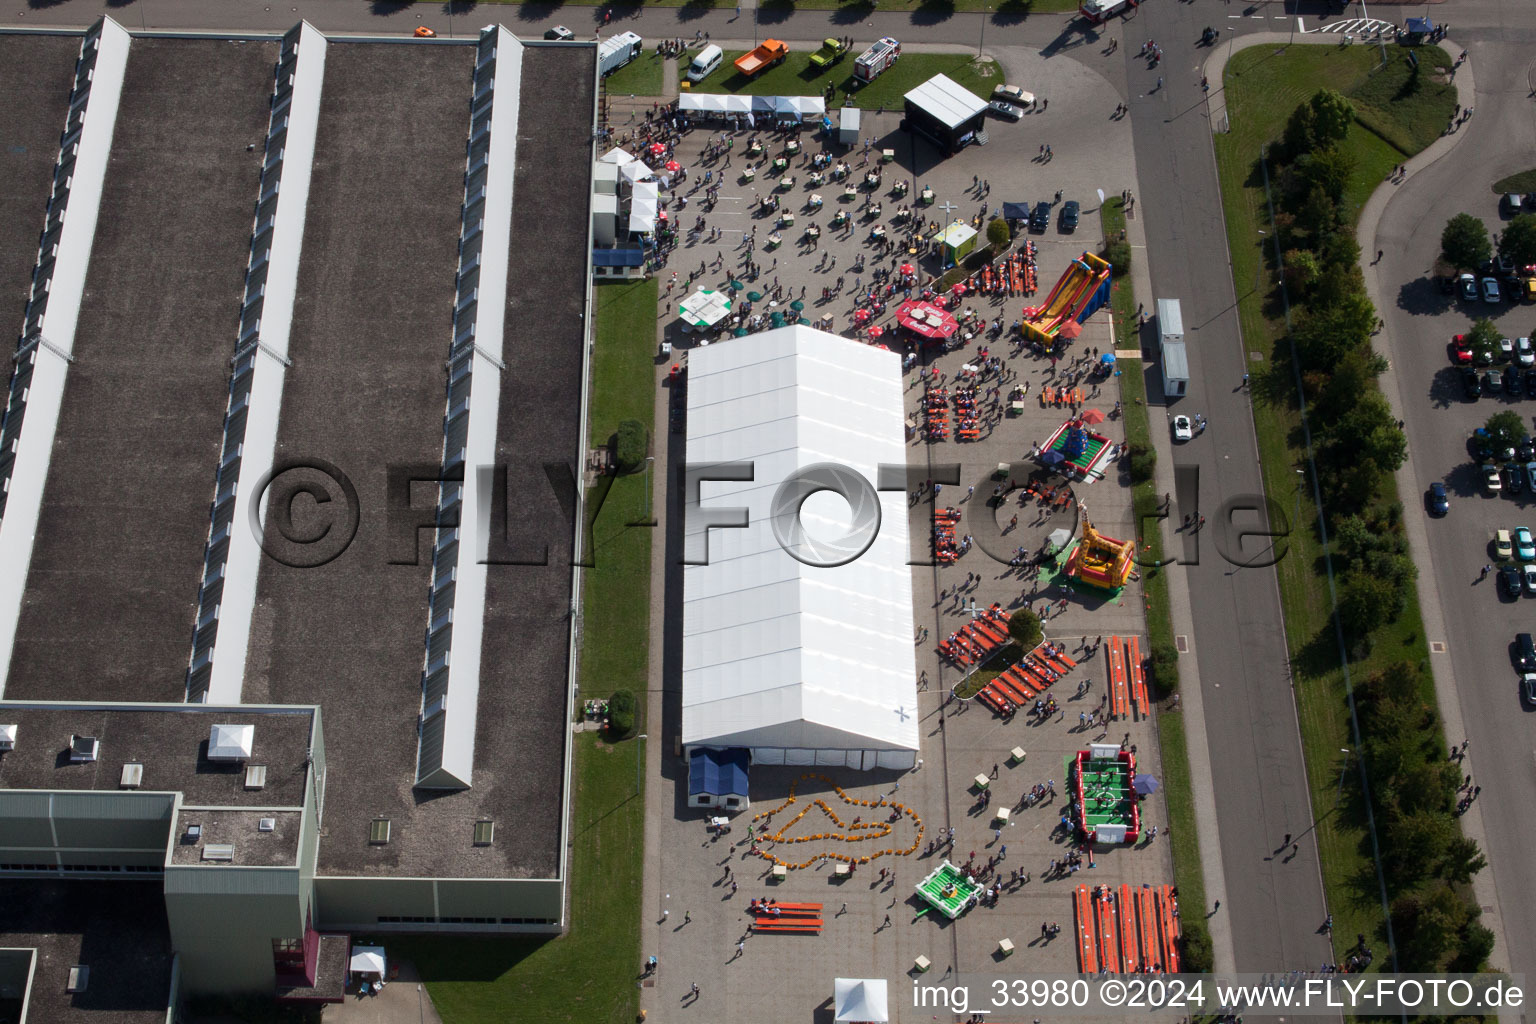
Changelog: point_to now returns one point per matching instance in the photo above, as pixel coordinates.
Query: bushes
(1163, 666)
(623, 711)
(1142, 460)
(1024, 627)
(998, 234)
(1117, 254)
(629, 445)
(1197, 956)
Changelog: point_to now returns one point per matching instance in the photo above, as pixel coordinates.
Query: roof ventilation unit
(230, 742)
(222, 852)
(133, 775)
(83, 749)
(79, 977)
(266, 825)
(255, 776)
(7, 737)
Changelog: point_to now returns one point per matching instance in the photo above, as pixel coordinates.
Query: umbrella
(657, 149)
(1093, 416)
(1052, 458)
(1060, 538)
(907, 268)
(736, 286)
(740, 332)
(673, 166)
(861, 315)
(1107, 358)
(876, 331)
(1145, 784)
(1070, 330)
(797, 306)
(958, 288)
(755, 296)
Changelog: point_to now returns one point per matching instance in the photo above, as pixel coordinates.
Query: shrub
(1024, 627)
(1118, 255)
(622, 712)
(998, 234)
(1198, 956)
(1143, 462)
(629, 445)
(1163, 666)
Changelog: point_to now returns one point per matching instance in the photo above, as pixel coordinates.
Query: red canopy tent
(926, 319)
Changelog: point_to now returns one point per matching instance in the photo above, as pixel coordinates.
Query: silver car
(1007, 110)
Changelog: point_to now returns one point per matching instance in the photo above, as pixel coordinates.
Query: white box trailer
(1170, 320)
(1175, 369)
(848, 126)
(616, 51)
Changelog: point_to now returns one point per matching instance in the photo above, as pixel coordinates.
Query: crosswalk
(1364, 28)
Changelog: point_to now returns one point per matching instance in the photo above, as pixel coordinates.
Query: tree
(1325, 334)
(1198, 956)
(998, 234)
(1505, 428)
(1464, 243)
(1428, 923)
(1352, 375)
(629, 445)
(1300, 131)
(1318, 214)
(1518, 240)
(1483, 339)
(1332, 116)
(1370, 433)
(1328, 168)
(1142, 460)
(1117, 253)
(1364, 604)
(1163, 663)
(623, 711)
(1024, 627)
(1302, 270)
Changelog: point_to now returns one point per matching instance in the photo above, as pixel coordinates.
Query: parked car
(1491, 291)
(1182, 430)
(1491, 482)
(1511, 203)
(1512, 386)
(1040, 216)
(1011, 93)
(1493, 382)
(1525, 544)
(1525, 449)
(1509, 580)
(1069, 214)
(1437, 500)
(1470, 385)
(1006, 110)
(1514, 479)
(1530, 384)
(1528, 571)
(1528, 687)
(1468, 286)
(1506, 350)
(1525, 354)
(1503, 544)
(1523, 652)
(1530, 476)
(559, 33)
(1459, 351)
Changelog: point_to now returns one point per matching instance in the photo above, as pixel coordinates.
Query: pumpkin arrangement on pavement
(854, 832)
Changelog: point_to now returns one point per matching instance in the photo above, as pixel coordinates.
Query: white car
(1183, 430)
(1525, 355)
(1491, 482)
(1007, 110)
(1011, 93)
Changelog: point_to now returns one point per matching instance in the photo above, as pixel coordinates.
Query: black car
(1526, 449)
(1512, 386)
(1514, 478)
(1509, 579)
(1493, 382)
(1069, 211)
(1471, 385)
(1530, 388)
(1040, 217)
(1436, 500)
(1523, 652)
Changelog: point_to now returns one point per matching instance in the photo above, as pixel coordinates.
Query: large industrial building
(281, 657)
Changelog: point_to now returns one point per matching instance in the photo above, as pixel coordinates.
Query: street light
(1303, 474)
(982, 41)
(1345, 767)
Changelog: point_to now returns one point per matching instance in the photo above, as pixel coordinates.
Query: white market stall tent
(802, 107)
(802, 664)
(643, 205)
(860, 1001)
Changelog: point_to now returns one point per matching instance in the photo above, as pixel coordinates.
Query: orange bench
(1128, 945)
(1147, 914)
(992, 701)
(1007, 688)
(1119, 701)
(1138, 677)
(1109, 954)
(1087, 948)
(1061, 656)
(1170, 922)
(807, 924)
(1020, 681)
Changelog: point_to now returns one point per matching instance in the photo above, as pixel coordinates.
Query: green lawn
(1177, 794)
(640, 77)
(796, 77)
(1525, 181)
(588, 975)
(1262, 88)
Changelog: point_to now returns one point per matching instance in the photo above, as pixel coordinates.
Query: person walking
(694, 990)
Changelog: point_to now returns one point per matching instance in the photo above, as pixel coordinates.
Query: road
(1473, 621)
(1276, 908)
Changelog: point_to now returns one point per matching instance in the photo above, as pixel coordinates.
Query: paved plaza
(874, 926)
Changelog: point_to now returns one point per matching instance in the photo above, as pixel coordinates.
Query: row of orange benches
(972, 643)
(944, 547)
(1136, 931)
(1026, 680)
(792, 917)
(1127, 679)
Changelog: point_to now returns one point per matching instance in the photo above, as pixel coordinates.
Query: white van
(705, 63)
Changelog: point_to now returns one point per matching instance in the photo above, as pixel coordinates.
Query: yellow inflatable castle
(1101, 561)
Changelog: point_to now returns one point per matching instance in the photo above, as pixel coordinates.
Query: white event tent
(801, 664)
(860, 999)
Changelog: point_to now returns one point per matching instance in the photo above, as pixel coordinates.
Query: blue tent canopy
(1016, 211)
(1420, 26)
(717, 773)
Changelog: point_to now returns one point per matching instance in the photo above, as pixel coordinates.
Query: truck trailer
(616, 51)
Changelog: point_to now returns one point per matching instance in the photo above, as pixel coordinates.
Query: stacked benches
(1127, 678)
(1132, 931)
(802, 918)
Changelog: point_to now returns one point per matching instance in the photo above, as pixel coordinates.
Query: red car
(1461, 354)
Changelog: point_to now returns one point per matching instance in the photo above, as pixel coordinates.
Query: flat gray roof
(35, 78)
(241, 830)
(112, 589)
(117, 929)
(170, 742)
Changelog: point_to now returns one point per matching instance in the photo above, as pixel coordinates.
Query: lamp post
(1347, 752)
(1303, 474)
(982, 41)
